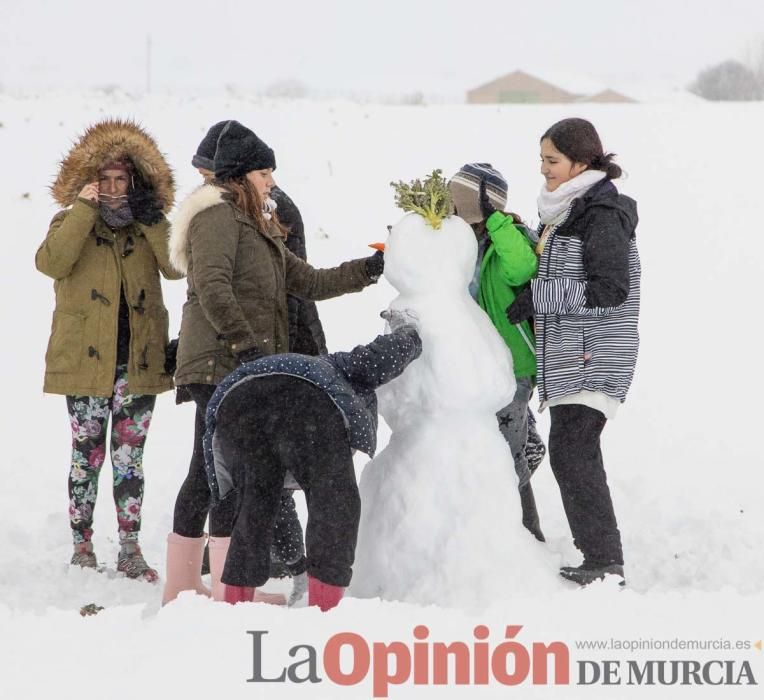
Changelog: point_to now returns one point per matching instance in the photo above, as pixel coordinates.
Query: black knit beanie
(239, 151)
(205, 154)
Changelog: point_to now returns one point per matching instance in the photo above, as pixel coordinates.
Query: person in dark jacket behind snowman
(306, 336)
(297, 417)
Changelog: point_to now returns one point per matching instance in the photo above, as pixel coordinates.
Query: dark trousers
(576, 458)
(265, 427)
(193, 501)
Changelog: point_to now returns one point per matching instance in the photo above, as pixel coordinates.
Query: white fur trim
(203, 197)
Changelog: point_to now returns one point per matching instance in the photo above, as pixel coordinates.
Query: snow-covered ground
(684, 457)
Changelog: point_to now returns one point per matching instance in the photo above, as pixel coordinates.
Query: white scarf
(553, 204)
(269, 206)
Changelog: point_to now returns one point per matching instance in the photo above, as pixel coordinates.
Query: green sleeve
(307, 282)
(68, 231)
(518, 261)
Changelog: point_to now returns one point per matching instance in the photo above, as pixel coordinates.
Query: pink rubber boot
(269, 598)
(218, 552)
(184, 564)
(324, 595)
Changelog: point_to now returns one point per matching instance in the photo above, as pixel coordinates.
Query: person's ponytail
(607, 164)
(578, 140)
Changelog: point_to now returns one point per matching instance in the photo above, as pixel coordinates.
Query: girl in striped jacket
(586, 304)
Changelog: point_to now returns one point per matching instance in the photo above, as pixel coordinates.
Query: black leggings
(193, 501)
(265, 427)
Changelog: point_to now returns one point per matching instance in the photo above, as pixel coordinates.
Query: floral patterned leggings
(89, 416)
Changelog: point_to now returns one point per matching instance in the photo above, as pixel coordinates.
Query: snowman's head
(423, 260)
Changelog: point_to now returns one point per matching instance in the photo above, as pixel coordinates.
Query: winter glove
(485, 203)
(248, 355)
(142, 198)
(171, 356)
(397, 318)
(521, 308)
(183, 395)
(281, 569)
(299, 589)
(375, 265)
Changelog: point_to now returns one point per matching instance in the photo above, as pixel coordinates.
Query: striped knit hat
(465, 190)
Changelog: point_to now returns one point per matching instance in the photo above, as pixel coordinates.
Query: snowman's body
(440, 511)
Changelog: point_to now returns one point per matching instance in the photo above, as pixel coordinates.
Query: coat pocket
(566, 358)
(65, 347)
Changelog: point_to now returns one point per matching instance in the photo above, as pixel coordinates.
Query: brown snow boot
(84, 556)
(131, 563)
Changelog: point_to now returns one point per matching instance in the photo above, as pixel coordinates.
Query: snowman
(440, 517)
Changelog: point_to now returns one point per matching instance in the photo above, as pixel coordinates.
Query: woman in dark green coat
(106, 353)
(227, 240)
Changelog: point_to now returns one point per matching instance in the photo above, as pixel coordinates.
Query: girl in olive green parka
(106, 352)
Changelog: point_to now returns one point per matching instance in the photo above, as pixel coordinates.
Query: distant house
(606, 96)
(518, 87)
(522, 88)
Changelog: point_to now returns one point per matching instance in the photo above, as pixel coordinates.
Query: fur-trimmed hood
(203, 197)
(106, 141)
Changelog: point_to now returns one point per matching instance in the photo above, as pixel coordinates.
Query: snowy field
(684, 456)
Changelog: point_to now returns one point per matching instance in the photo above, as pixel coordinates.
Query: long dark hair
(578, 140)
(246, 199)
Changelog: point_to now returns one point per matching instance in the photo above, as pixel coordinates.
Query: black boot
(530, 514)
(588, 573)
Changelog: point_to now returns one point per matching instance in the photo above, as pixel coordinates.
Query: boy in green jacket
(505, 264)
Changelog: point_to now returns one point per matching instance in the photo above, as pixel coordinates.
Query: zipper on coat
(122, 287)
(542, 374)
(550, 242)
(524, 335)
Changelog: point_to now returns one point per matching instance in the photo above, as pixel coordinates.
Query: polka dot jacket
(349, 378)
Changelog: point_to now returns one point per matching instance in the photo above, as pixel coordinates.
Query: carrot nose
(377, 246)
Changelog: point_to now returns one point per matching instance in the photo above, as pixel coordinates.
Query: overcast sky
(386, 46)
